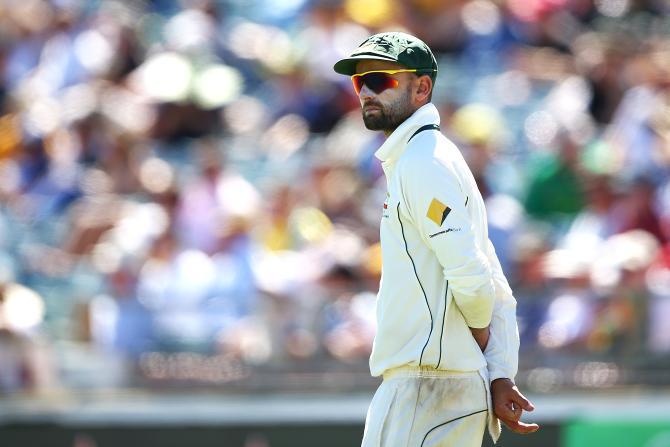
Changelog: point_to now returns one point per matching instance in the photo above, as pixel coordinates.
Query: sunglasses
(377, 80)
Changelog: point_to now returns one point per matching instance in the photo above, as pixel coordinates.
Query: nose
(365, 93)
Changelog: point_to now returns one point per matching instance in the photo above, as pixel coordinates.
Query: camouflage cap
(398, 47)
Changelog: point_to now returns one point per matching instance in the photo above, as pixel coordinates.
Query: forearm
(481, 336)
(502, 351)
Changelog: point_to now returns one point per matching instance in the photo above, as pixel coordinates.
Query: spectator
(556, 185)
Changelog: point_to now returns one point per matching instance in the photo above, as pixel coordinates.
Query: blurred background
(189, 211)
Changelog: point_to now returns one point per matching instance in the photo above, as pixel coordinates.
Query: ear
(423, 88)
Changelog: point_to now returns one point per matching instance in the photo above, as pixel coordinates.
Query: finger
(507, 411)
(520, 427)
(516, 410)
(521, 401)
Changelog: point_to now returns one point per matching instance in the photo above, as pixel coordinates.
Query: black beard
(388, 118)
(381, 121)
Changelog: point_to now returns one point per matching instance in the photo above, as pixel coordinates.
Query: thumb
(519, 427)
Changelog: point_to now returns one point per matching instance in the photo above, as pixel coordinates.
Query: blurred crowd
(186, 185)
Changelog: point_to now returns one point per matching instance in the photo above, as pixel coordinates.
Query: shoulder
(428, 152)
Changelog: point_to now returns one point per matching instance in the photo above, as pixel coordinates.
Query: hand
(508, 405)
(481, 336)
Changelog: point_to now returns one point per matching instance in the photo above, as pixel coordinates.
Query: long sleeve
(434, 201)
(502, 351)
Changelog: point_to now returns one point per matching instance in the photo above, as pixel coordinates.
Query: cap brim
(347, 66)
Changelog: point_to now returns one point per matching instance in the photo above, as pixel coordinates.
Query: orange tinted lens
(377, 82)
(358, 83)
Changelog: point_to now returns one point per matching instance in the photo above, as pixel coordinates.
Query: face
(386, 110)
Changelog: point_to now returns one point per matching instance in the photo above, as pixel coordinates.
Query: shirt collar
(396, 143)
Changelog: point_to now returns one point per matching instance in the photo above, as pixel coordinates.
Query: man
(447, 341)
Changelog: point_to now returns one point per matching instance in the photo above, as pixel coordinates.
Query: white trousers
(423, 407)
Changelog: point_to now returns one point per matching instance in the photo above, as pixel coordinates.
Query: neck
(388, 132)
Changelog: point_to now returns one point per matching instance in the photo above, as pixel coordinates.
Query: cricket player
(447, 340)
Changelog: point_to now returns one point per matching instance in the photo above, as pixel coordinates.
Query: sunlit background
(189, 211)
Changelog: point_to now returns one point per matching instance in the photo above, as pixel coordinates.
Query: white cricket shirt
(440, 273)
